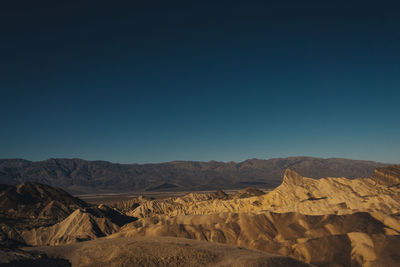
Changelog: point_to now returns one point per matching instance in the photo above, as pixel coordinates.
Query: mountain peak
(291, 177)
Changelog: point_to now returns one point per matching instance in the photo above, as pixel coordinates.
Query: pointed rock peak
(291, 177)
(389, 175)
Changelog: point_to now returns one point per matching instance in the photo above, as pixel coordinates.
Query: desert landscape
(200, 133)
(302, 222)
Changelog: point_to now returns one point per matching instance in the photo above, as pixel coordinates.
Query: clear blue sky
(154, 81)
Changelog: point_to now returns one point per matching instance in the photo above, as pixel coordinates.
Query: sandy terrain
(163, 251)
(324, 222)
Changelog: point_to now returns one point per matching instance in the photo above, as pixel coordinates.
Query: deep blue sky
(148, 81)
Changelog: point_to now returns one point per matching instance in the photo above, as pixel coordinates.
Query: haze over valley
(80, 176)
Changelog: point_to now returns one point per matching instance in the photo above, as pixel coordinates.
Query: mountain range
(79, 176)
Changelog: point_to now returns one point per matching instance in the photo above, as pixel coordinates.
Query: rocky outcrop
(331, 196)
(388, 176)
(81, 225)
(131, 204)
(37, 214)
(36, 204)
(248, 192)
(295, 194)
(176, 205)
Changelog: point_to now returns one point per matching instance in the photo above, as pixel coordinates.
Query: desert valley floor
(302, 222)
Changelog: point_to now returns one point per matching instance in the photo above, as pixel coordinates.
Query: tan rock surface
(163, 251)
(316, 239)
(295, 194)
(326, 222)
(79, 226)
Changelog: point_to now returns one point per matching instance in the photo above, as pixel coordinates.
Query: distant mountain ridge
(82, 176)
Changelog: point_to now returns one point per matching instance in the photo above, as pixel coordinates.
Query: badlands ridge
(324, 222)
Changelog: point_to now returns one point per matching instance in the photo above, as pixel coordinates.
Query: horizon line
(182, 160)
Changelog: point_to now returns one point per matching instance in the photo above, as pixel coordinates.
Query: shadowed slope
(162, 251)
(36, 204)
(81, 225)
(322, 240)
(248, 192)
(36, 214)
